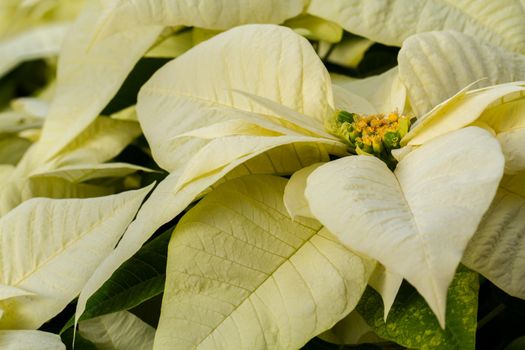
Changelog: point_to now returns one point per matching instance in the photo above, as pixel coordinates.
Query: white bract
(500, 23)
(33, 29)
(257, 99)
(241, 274)
(119, 330)
(109, 37)
(50, 247)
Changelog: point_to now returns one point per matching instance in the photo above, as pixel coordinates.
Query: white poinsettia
(257, 99)
(250, 129)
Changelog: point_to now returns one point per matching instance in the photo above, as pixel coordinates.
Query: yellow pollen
(393, 117)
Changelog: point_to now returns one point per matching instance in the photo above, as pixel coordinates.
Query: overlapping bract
(259, 106)
(241, 274)
(49, 248)
(205, 108)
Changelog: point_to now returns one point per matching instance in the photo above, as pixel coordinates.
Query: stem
(491, 315)
(329, 52)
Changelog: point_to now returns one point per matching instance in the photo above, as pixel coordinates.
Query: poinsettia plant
(263, 175)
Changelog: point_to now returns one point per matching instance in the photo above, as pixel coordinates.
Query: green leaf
(80, 342)
(411, 323)
(137, 280)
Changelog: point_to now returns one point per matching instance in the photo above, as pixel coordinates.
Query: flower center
(374, 135)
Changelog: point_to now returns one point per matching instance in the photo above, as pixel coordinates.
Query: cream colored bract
(257, 87)
(253, 279)
(499, 22)
(46, 260)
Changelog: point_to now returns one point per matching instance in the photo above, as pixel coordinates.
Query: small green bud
(367, 147)
(353, 135)
(344, 116)
(391, 139)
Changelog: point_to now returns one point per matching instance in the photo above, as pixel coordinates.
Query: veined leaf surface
(210, 14)
(497, 250)
(118, 331)
(88, 76)
(268, 61)
(169, 199)
(51, 247)
(435, 66)
(418, 220)
(242, 275)
(499, 22)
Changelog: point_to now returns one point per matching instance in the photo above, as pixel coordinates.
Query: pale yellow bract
(498, 22)
(33, 29)
(118, 330)
(41, 270)
(259, 87)
(256, 100)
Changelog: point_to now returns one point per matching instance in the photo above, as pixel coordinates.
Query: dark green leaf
(411, 323)
(80, 343)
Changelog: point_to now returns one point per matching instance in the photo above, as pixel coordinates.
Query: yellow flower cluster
(375, 134)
